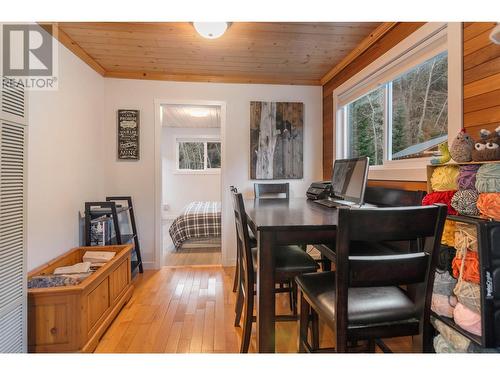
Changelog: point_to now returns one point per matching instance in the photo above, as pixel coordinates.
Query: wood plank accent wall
(389, 40)
(481, 87)
(481, 78)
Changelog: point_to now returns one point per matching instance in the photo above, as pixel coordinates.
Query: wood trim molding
(157, 76)
(366, 43)
(70, 44)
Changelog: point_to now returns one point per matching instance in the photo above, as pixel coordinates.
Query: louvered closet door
(13, 102)
(12, 234)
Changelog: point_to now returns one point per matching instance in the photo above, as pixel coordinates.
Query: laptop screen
(349, 178)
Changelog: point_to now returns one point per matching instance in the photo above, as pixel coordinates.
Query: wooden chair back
(415, 270)
(242, 236)
(272, 190)
(387, 197)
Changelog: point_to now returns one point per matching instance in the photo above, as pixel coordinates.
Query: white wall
(138, 178)
(180, 189)
(64, 158)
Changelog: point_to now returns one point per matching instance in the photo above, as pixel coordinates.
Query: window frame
(425, 43)
(205, 139)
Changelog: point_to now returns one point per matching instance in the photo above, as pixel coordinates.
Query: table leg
(266, 307)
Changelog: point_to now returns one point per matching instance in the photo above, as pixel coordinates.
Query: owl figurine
(461, 148)
(488, 147)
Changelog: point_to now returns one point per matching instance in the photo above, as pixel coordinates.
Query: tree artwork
(276, 140)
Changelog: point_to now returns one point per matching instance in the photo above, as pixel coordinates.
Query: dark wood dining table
(274, 222)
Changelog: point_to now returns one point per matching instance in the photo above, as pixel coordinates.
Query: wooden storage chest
(73, 318)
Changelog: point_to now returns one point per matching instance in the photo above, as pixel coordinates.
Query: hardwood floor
(209, 256)
(191, 310)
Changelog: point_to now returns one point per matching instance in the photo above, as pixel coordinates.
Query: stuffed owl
(488, 147)
(461, 148)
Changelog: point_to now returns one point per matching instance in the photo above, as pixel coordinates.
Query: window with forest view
(408, 115)
(198, 155)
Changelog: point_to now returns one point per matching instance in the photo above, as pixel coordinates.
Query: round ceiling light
(211, 30)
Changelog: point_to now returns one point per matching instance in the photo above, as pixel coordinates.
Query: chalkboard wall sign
(128, 134)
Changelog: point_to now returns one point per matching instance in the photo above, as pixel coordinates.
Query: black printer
(319, 190)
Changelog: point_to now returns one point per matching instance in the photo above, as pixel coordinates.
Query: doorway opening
(191, 194)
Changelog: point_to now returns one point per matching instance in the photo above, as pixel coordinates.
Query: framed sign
(128, 134)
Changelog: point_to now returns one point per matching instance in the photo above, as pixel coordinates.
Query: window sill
(195, 172)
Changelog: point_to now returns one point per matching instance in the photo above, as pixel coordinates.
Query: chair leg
(239, 306)
(247, 324)
(236, 277)
(303, 323)
(371, 346)
(314, 330)
(294, 294)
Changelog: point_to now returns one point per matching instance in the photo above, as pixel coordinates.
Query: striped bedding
(199, 220)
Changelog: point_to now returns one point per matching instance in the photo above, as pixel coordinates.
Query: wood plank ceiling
(255, 52)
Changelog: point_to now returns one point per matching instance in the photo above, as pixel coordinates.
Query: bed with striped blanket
(199, 220)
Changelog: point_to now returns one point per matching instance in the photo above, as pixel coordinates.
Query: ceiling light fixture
(199, 112)
(211, 30)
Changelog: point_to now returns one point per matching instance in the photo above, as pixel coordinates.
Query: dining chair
(371, 297)
(290, 261)
(271, 190)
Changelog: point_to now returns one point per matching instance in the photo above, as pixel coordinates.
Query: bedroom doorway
(191, 186)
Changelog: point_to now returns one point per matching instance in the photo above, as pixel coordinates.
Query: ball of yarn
(467, 176)
(440, 197)
(468, 271)
(465, 236)
(444, 283)
(443, 305)
(489, 205)
(459, 342)
(467, 319)
(448, 237)
(488, 178)
(445, 178)
(469, 295)
(464, 201)
(441, 346)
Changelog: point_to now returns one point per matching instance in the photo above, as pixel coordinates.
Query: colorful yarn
(489, 205)
(443, 305)
(440, 197)
(488, 178)
(441, 346)
(467, 270)
(465, 236)
(445, 178)
(467, 319)
(444, 283)
(448, 237)
(457, 341)
(464, 201)
(467, 176)
(469, 295)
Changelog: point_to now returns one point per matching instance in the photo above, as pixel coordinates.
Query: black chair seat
(290, 260)
(366, 306)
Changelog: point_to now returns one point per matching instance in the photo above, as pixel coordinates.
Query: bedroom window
(196, 155)
(396, 111)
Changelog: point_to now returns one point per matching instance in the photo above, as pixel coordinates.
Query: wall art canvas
(128, 134)
(276, 140)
